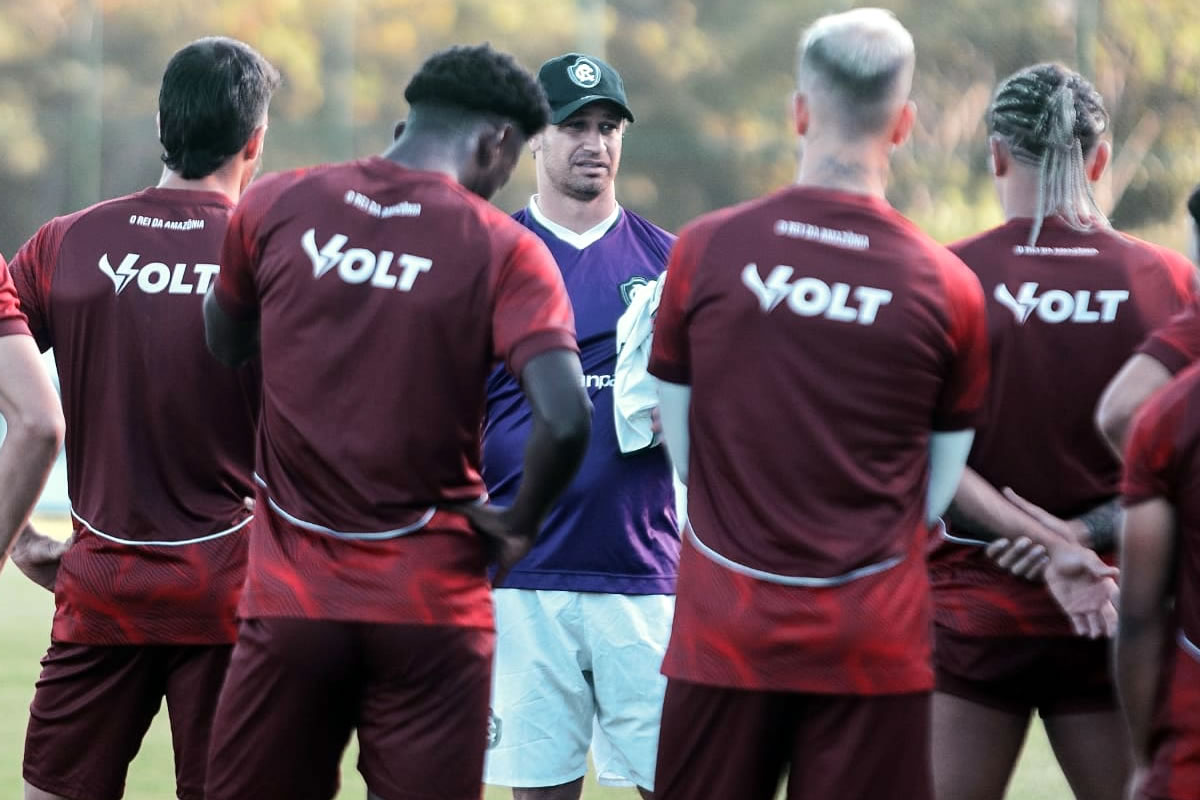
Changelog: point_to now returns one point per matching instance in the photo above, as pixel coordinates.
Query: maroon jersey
(1162, 460)
(1062, 318)
(11, 319)
(384, 296)
(1176, 344)
(824, 338)
(159, 435)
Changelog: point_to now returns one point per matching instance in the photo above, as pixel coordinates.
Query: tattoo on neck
(838, 172)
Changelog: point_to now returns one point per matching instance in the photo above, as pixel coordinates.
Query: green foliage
(709, 80)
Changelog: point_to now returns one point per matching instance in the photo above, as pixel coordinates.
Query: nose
(592, 140)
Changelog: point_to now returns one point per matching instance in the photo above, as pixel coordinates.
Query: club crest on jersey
(358, 265)
(584, 73)
(156, 277)
(1056, 305)
(629, 287)
(813, 297)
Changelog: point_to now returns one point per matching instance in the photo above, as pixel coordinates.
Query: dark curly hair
(1051, 117)
(482, 79)
(214, 94)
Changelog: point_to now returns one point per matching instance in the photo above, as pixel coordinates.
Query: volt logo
(1057, 305)
(812, 297)
(357, 265)
(157, 277)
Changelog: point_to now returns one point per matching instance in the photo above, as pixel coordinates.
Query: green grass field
(25, 611)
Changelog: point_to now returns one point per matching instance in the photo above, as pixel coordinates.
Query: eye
(608, 128)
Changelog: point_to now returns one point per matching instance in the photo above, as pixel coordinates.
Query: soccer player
(31, 412)
(1164, 354)
(1158, 642)
(159, 442)
(822, 364)
(582, 621)
(1069, 300)
(380, 293)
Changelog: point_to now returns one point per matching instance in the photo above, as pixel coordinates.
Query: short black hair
(214, 94)
(481, 79)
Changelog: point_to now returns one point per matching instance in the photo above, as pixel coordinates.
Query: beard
(578, 187)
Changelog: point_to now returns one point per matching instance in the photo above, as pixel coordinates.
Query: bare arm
(983, 513)
(1141, 377)
(1083, 586)
(231, 340)
(1147, 552)
(35, 432)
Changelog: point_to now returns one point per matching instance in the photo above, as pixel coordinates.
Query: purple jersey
(614, 529)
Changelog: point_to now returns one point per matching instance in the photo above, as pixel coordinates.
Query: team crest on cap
(584, 73)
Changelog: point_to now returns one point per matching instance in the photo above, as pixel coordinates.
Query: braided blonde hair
(1051, 118)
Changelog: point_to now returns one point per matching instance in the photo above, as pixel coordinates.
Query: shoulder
(988, 242)
(268, 188)
(701, 231)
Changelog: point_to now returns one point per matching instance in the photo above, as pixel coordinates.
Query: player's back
(159, 435)
(822, 334)
(1063, 316)
(378, 290)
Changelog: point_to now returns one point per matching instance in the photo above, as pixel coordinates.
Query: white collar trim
(577, 240)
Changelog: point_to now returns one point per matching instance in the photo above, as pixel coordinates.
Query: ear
(157, 126)
(800, 112)
(535, 144)
(489, 146)
(1000, 156)
(254, 145)
(1098, 160)
(904, 124)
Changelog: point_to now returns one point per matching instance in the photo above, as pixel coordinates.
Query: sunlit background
(708, 80)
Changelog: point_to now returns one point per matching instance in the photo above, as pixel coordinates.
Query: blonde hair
(864, 58)
(1051, 118)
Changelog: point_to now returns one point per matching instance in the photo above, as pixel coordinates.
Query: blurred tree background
(709, 81)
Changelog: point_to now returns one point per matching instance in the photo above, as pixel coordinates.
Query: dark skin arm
(1148, 543)
(232, 341)
(562, 422)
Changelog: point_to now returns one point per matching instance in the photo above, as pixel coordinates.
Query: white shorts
(574, 669)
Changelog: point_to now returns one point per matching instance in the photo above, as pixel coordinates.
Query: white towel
(634, 391)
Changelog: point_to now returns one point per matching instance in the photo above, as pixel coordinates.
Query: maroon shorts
(297, 688)
(1016, 674)
(735, 743)
(93, 705)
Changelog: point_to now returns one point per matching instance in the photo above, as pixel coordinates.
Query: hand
(1085, 588)
(655, 422)
(1072, 531)
(38, 556)
(507, 543)
(248, 504)
(1022, 557)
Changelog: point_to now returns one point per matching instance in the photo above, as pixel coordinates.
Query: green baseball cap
(574, 80)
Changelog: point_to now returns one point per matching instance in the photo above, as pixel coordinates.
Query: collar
(577, 240)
